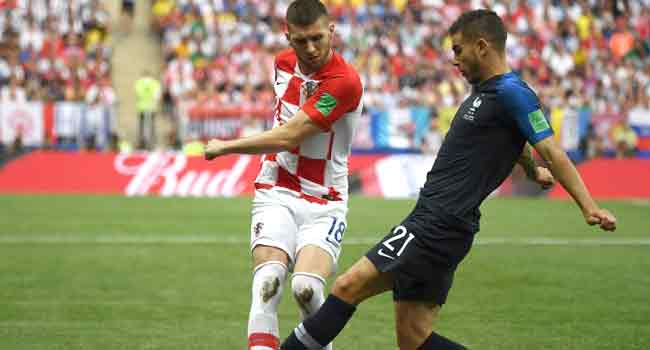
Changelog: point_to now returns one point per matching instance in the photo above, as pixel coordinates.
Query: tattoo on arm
(527, 162)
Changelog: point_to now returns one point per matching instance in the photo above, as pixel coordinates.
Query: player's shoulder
(342, 72)
(341, 67)
(286, 60)
(510, 87)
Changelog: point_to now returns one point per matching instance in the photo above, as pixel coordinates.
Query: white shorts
(281, 219)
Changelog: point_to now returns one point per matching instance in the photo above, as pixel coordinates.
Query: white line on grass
(240, 239)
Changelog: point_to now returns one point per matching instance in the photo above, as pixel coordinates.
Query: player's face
(312, 43)
(467, 58)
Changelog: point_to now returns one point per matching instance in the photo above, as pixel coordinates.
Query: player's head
(310, 31)
(478, 37)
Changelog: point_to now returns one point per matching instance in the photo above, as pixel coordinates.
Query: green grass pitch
(93, 272)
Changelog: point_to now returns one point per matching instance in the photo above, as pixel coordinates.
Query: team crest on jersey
(309, 88)
(470, 115)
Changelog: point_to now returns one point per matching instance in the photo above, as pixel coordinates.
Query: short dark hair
(305, 12)
(481, 23)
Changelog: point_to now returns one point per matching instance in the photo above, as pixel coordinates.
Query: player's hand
(544, 178)
(603, 218)
(214, 149)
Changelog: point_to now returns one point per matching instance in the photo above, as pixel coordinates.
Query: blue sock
(318, 330)
(438, 342)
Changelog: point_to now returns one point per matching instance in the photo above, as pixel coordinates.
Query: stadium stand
(588, 62)
(55, 74)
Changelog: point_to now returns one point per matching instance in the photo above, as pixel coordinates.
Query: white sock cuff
(269, 263)
(309, 275)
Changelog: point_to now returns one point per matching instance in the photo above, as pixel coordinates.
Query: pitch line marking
(6, 239)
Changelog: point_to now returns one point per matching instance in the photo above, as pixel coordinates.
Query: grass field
(86, 272)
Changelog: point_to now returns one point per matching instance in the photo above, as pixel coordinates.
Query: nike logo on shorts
(381, 252)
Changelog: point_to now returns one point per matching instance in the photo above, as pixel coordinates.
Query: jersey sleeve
(333, 98)
(522, 105)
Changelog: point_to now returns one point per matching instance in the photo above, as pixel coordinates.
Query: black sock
(438, 342)
(321, 328)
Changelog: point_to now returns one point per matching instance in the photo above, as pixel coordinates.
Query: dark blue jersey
(483, 144)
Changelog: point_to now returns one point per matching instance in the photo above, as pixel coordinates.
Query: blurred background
(589, 61)
(164, 75)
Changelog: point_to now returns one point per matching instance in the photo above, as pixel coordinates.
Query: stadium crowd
(589, 58)
(55, 50)
(55, 59)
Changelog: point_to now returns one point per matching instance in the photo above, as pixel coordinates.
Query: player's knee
(302, 290)
(270, 288)
(346, 287)
(269, 278)
(305, 287)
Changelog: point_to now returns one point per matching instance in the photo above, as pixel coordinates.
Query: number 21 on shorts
(391, 245)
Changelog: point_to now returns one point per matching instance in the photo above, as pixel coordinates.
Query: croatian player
(300, 205)
(488, 135)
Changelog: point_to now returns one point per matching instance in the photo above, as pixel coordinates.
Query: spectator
(432, 139)
(13, 92)
(622, 42)
(148, 93)
(101, 92)
(624, 139)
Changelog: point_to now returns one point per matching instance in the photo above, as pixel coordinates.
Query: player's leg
(423, 278)
(319, 245)
(269, 274)
(272, 240)
(359, 283)
(413, 323)
(313, 266)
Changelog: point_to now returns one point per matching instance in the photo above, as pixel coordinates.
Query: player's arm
(536, 173)
(282, 138)
(566, 173)
(523, 106)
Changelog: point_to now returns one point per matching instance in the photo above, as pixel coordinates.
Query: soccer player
(488, 135)
(300, 205)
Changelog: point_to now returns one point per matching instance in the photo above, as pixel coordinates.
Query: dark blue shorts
(422, 254)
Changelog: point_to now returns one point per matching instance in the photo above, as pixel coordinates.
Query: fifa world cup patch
(538, 121)
(326, 103)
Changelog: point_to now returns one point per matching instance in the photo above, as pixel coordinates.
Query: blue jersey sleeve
(522, 105)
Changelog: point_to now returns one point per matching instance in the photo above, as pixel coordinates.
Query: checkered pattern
(332, 98)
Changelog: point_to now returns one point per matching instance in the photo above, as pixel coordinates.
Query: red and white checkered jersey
(332, 98)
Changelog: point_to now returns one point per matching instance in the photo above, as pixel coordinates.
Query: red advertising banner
(174, 174)
(613, 179)
(165, 174)
(158, 173)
